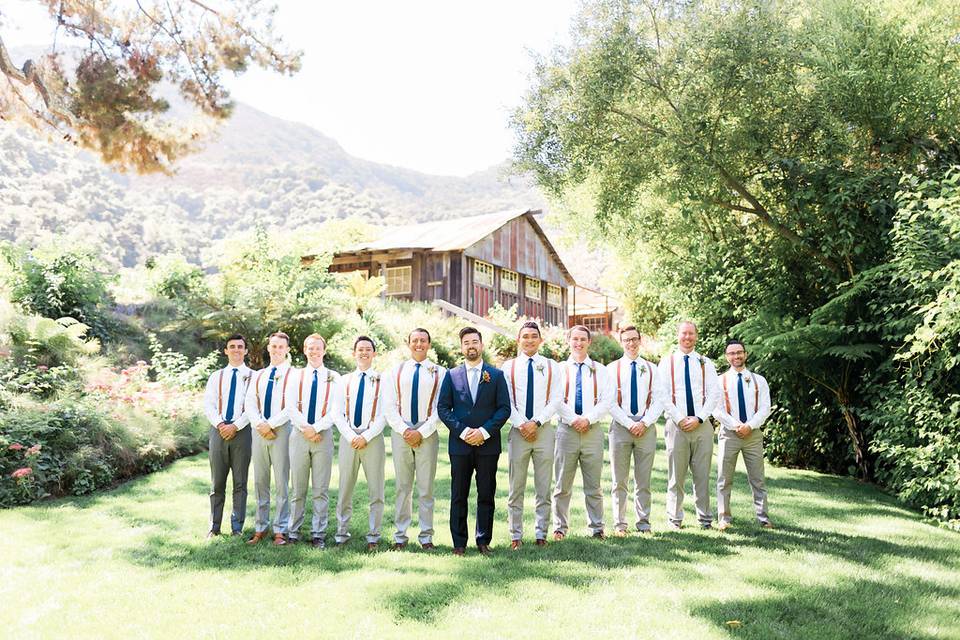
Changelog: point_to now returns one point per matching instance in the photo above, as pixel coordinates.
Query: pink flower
(23, 472)
(34, 450)
(42, 367)
(16, 446)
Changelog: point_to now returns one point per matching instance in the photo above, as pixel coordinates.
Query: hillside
(255, 168)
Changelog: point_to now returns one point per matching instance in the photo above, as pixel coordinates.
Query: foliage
(105, 96)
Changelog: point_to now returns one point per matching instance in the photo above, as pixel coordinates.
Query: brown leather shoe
(723, 525)
(767, 525)
(428, 546)
(485, 549)
(372, 546)
(257, 537)
(212, 534)
(619, 533)
(541, 542)
(459, 551)
(279, 539)
(516, 544)
(558, 536)
(398, 546)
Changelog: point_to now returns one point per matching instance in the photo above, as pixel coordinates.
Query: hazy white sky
(424, 84)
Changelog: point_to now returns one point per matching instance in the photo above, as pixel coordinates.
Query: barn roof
(455, 235)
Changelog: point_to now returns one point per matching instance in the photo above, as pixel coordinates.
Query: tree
(106, 96)
(744, 157)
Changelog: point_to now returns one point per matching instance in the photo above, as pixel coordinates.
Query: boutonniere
(485, 377)
(374, 378)
(593, 369)
(329, 377)
(246, 378)
(432, 369)
(539, 368)
(746, 379)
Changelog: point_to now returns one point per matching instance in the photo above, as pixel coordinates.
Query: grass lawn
(846, 561)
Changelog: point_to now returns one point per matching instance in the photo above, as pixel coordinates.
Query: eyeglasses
(738, 352)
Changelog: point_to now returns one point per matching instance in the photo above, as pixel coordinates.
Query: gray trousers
(272, 455)
(729, 446)
(520, 453)
(624, 449)
(231, 457)
(372, 458)
(694, 451)
(411, 465)
(306, 459)
(586, 451)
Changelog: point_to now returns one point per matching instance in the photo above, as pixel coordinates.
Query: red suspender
(433, 392)
(649, 384)
(566, 389)
(619, 394)
(376, 398)
(513, 382)
(220, 394)
(673, 382)
(756, 395)
(326, 395)
(256, 389)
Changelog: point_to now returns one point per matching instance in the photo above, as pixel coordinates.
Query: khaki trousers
(729, 446)
(414, 465)
(372, 458)
(691, 450)
(306, 459)
(624, 449)
(586, 451)
(519, 453)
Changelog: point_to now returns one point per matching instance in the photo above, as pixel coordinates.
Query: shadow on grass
(848, 609)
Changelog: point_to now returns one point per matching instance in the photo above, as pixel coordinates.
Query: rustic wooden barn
(470, 263)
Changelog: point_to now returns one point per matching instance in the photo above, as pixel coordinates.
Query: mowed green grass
(846, 561)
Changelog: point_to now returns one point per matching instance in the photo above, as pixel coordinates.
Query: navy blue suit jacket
(458, 411)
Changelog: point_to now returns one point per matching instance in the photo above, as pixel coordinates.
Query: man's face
(529, 341)
(630, 341)
(278, 348)
(419, 344)
(471, 346)
(687, 336)
(736, 355)
(363, 353)
(236, 351)
(314, 350)
(579, 342)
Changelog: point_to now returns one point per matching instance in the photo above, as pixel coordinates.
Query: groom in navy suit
(474, 404)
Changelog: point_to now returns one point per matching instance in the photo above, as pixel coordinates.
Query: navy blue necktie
(686, 381)
(268, 403)
(415, 395)
(230, 396)
(741, 403)
(634, 405)
(358, 411)
(312, 411)
(578, 398)
(529, 407)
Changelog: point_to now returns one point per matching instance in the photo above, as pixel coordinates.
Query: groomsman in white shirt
(266, 407)
(229, 441)
(637, 404)
(586, 400)
(410, 403)
(314, 402)
(745, 406)
(361, 443)
(692, 393)
(533, 383)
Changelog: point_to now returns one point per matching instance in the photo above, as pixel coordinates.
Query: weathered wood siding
(518, 247)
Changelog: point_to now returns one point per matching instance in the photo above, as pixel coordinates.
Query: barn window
(532, 286)
(596, 324)
(509, 281)
(483, 274)
(554, 296)
(398, 280)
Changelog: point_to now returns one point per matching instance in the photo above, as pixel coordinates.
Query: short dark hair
(280, 334)
(419, 330)
(629, 327)
(364, 339)
(735, 341)
(530, 324)
(468, 330)
(235, 336)
(579, 327)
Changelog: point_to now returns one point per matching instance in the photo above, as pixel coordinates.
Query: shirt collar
(478, 367)
(370, 372)
(524, 357)
(588, 362)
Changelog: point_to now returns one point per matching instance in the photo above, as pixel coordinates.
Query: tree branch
(29, 76)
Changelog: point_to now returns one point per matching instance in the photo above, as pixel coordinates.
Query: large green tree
(744, 157)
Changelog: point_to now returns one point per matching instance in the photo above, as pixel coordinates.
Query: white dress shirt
(398, 417)
(326, 380)
(594, 377)
(544, 371)
(647, 385)
(255, 409)
(371, 424)
(704, 385)
(756, 396)
(477, 371)
(216, 396)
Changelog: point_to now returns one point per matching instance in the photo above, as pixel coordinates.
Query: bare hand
(581, 425)
(412, 437)
(638, 429)
(358, 442)
(309, 433)
(744, 430)
(228, 431)
(689, 424)
(265, 431)
(528, 431)
(474, 437)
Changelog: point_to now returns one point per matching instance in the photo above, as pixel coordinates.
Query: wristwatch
(538, 423)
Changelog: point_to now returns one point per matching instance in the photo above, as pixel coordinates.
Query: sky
(422, 84)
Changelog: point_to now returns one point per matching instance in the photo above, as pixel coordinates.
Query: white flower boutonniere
(539, 368)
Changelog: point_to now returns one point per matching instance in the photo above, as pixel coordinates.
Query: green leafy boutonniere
(432, 369)
(374, 378)
(539, 368)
